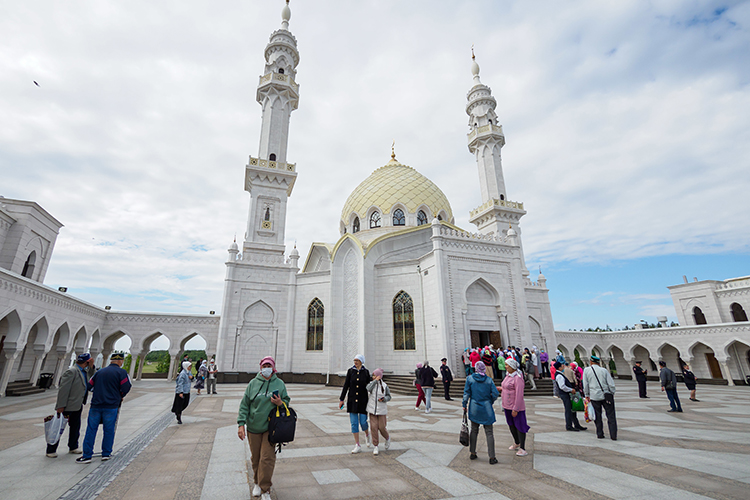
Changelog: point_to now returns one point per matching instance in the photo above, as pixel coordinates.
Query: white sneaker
(256, 490)
(416, 408)
(387, 443)
(357, 449)
(375, 451)
(266, 496)
(52, 455)
(428, 410)
(77, 451)
(368, 440)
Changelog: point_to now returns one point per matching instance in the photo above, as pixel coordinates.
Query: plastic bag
(576, 402)
(54, 426)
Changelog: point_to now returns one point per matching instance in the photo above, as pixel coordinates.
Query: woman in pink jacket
(514, 406)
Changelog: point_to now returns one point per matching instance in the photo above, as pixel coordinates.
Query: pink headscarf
(269, 359)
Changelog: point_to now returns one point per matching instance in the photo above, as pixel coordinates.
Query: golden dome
(392, 184)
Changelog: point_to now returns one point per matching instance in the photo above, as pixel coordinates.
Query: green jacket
(256, 403)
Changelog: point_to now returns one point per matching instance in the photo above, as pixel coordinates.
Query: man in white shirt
(599, 388)
(211, 382)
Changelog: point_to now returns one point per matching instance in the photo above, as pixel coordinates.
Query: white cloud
(626, 123)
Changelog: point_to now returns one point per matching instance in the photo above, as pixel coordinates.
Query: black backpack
(281, 426)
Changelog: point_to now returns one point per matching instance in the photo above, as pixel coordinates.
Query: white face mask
(266, 372)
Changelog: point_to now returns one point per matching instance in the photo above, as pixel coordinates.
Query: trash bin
(45, 380)
(747, 379)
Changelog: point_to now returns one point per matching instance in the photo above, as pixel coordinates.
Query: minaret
(496, 214)
(270, 178)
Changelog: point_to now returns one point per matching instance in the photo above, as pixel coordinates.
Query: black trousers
(74, 431)
(545, 369)
(599, 419)
(642, 388)
(571, 420)
(447, 389)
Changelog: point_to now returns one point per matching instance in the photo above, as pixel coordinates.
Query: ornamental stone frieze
(146, 318)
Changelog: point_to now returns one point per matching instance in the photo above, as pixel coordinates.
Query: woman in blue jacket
(479, 394)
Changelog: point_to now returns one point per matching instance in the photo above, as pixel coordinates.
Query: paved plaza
(701, 453)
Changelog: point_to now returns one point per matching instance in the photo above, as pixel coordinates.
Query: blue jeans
(674, 399)
(357, 420)
(108, 418)
(428, 397)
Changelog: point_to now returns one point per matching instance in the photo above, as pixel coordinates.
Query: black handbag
(281, 426)
(463, 436)
(609, 398)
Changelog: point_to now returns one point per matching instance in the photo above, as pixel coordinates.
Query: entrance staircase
(403, 385)
(22, 389)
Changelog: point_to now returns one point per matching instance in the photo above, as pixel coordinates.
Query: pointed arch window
(399, 219)
(281, 71)
(375, 220)
(440, 217)
(698, 316)
(421, 218)
(315, 325)
(355, 225)
(738, 313)
(403, 322)
(28, 267)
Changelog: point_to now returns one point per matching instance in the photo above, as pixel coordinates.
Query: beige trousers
(378, 423)
(263, 459)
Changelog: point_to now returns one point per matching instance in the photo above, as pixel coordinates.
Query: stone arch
(258, 312)
(564, 350)
(10, 333)
(145, 343)
(482, 319)
(738, 354)
(640, 353)
(738, 312)
(580, 352)
(622, 367)
(34, 351)
(670, 355)
(80, 339)
(705, 364)
(58, 357)
(257, 333)
(10, 327)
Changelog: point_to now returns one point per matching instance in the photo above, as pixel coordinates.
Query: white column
(725, 372)
(38, 361)
(132, 366)
(60, 367)
(10, 361)
(141, 361)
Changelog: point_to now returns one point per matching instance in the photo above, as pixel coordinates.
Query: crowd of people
(590, 390)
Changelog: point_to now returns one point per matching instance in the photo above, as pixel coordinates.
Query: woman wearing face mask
(262, 393)
(515, 408)
(182, 391)
(355, 384)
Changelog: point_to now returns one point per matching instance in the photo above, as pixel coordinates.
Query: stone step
(22, 389)
(403, 385)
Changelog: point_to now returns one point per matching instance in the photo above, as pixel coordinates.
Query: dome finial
(393, 150)
(474, 67)
(286, 15)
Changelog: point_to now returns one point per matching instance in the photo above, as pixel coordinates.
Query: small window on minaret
(355, 225)
(272, 157)
(490, 122)
(281, 71)
(440, 217)
(268, 214)
(502, 196)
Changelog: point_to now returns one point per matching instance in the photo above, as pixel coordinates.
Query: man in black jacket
(445, 372)
(640, 377)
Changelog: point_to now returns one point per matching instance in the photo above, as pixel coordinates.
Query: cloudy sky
(627, 128)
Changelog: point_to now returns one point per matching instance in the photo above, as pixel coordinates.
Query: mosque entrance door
(480, 338)
(713, 365)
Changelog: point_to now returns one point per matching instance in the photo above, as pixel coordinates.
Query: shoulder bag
(609, 398)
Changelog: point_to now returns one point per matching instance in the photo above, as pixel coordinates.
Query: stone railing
(742, 283)
(277, 77)
(484, 129)
(278, 165)
(452, 233)
(496, 203)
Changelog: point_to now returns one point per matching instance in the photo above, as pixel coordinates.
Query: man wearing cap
(599, 388)
(110, 386)
(70, 400)
(445, 373)
(640, 377)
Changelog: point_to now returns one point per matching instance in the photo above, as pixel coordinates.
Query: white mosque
(402, 284)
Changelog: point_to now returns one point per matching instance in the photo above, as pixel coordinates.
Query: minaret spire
(270, 178)
(496, 215)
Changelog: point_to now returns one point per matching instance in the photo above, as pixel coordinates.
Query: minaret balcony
(495, 203)
(486, 131)
(277, 165)
(278, 78)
